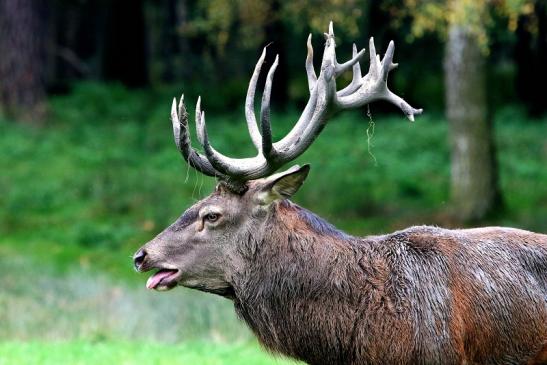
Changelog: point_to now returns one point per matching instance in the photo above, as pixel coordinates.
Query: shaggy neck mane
(287, 211)
(300, 269)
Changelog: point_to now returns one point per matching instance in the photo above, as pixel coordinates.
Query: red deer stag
(424, 295)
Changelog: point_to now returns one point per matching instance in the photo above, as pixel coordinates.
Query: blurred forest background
(89, 170)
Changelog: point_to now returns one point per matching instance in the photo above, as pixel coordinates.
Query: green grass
(128, 353)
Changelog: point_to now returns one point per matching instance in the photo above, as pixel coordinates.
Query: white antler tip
(413, 113)
(198, 108)
(175, 119)
(203, 135)
(174, 108)
(310, 47)
(331, 28)
(372, 49)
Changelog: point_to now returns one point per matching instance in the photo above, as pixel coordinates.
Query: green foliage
(217, 19)
(346, 14)
(478, 16)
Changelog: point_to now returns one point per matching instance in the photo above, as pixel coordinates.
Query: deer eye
(211, 217)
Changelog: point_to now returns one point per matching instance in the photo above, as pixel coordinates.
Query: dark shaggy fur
(424, 295)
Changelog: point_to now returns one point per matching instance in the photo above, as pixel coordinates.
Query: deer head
(205, 247)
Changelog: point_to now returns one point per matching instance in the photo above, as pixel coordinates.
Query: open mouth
(164, 279)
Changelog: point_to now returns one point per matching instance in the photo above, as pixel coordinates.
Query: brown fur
(541, 358)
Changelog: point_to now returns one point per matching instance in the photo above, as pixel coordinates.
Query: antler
(324, 101)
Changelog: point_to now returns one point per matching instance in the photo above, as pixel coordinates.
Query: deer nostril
(138, 259)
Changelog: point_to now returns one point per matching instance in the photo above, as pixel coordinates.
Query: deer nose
(138, 259)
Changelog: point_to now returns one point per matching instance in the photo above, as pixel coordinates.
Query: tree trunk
(474, 183)
(22, 60)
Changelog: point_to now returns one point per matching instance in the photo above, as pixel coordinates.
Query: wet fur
(424, 295)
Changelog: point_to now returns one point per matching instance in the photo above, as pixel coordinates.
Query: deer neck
(298, 276)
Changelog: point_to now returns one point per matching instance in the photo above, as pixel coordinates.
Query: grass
(128, 353)
(82, 194)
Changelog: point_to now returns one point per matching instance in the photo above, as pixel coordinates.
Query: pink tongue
(155, 279)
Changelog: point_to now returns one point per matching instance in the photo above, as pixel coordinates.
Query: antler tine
(199, 115)
(310, 71)
(267, 149)
(341, 68)
(175, 119)
(408, 110)
(387, 62)
(210, 152)
(182, 140)
(374, 62)
(356, 78)
(249, 103)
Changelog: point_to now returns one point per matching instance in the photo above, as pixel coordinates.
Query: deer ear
(282, 185)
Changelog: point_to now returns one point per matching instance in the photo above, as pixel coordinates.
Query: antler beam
(324, 101)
